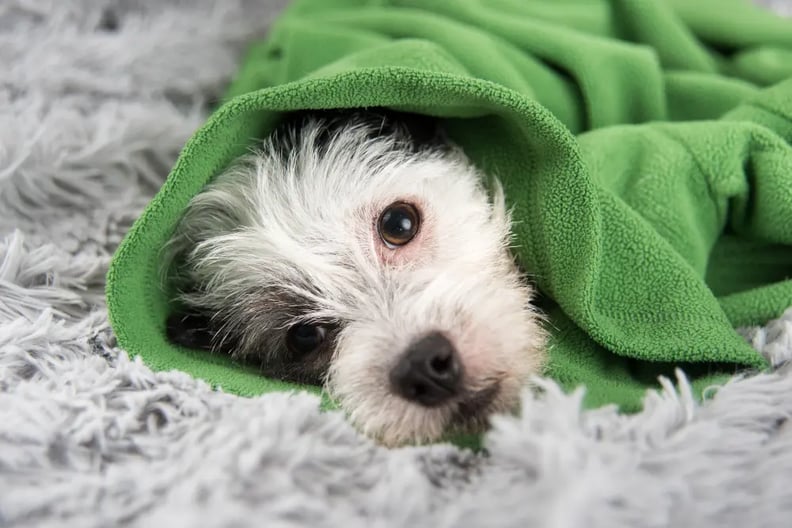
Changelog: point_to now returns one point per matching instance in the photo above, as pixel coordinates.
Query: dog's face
(379, 270)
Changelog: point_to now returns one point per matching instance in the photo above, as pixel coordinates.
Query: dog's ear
(190, 330)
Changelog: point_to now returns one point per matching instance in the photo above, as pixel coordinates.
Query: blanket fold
(644, 146)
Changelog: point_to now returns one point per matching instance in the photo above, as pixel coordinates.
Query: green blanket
(644, 145)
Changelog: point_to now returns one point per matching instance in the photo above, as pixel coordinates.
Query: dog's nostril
(429, 372)
(441, 365)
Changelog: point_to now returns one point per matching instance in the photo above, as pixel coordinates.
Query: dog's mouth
(474, 407)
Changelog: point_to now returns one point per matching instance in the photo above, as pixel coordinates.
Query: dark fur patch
(261, 322)
(190, 330)
(421, 131)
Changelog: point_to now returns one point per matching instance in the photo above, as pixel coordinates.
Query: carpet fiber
(96, 99)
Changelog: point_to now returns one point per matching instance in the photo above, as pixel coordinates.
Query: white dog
(359, 250)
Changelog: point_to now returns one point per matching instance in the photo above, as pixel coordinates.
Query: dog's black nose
(429, 372)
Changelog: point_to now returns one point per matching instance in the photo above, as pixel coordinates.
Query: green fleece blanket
(644, 145)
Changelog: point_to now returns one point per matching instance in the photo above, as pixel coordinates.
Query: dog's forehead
(304, 265)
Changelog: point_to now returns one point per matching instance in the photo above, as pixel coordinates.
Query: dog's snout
(429, 372)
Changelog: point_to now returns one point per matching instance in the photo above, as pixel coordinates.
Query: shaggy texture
(654, 241)
(96, 99)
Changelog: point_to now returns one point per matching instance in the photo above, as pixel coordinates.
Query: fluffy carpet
(96, 98)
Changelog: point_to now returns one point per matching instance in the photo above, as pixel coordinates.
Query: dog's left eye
(304, 338)
(398, 224)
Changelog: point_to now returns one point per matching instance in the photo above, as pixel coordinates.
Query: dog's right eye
(398, 224)
(304, 338)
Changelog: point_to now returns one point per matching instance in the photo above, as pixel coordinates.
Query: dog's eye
(304, 338)
(398, 224)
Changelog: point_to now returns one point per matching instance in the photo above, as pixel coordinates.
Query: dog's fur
(289, 235)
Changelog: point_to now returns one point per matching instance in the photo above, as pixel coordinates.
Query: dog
(360, 250)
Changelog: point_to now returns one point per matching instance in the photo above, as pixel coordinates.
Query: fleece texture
(643, 145)
(98, 97)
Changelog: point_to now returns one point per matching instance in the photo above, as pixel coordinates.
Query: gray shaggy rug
(96, 98)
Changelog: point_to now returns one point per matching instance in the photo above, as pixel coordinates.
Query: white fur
(309, 224)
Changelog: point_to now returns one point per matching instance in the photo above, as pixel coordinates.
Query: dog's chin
(472, 411)
(494, 376)
(469, 413)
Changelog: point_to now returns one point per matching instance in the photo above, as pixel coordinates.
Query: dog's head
(343, 254)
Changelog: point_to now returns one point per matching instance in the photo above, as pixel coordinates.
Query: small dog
(359, 250)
